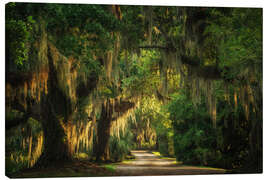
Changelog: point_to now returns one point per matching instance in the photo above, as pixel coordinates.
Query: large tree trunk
(103, 134)
(55, 143)
(55, 112)
(50, 93)
(105, 122)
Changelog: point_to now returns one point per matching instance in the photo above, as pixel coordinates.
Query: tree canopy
(103, 79)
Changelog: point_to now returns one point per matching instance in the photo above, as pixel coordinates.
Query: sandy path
(148, 164)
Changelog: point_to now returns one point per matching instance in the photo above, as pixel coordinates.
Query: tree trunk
(56, 110)
(55, 143)
(255, 144)
(103, 134)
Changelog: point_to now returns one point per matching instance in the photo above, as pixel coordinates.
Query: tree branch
(208, 72)
(85, 89)
(17, 121)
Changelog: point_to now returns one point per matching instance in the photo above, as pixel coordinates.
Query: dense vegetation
(95, 81)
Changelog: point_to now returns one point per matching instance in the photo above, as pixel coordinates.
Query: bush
(120, 147)
(196, 142)
(194, 137)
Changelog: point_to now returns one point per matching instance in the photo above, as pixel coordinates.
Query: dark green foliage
(79, 28)
(196, 142)
(164, 132)
(132, 27)
(73, 28)
(234, 140)
(120, 147)
(18, 36)
(156, 48)
(194, 138)
(239, 34)
(90, 66)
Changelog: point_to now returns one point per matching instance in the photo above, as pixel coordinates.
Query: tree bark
(103, 134)
(56, 109)
(55, 143)
(104, 126)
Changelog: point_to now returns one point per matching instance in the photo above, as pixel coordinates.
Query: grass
(161, 156)
(156, 153)
(81, 156)
(210, 168)
(127, 161)
(110, 167)
(129, 157)
(181, 163)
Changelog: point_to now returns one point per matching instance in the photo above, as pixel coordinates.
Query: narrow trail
(148, 164)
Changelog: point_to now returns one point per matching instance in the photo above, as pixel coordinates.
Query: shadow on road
(148, 164)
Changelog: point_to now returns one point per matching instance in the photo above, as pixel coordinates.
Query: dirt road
(148, 164)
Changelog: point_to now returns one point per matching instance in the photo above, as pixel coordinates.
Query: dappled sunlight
(146, 163)
(132, 90)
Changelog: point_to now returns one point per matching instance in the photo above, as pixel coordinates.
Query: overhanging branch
(17, 121)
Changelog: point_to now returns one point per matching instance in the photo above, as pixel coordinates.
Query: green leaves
(239, 35)
(30, 20)
(142, 77)
(18, 35)
(108, 91)
(77, 28)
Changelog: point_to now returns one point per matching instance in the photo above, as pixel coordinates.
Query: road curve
(148, 164)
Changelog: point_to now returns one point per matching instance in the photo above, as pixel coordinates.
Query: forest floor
(75, 168)
(145, 163)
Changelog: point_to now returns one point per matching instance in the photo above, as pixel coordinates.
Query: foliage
(18, 36)
(90, 66)
(142, 126)
(165, 133)
(141, 79)
(194, 139)
(196, 142)
(233, 139)
(120, 147)
(110, 167)
(19, 141)
(132, 27)
(154, 56)
(240, 40)
(81, 27)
